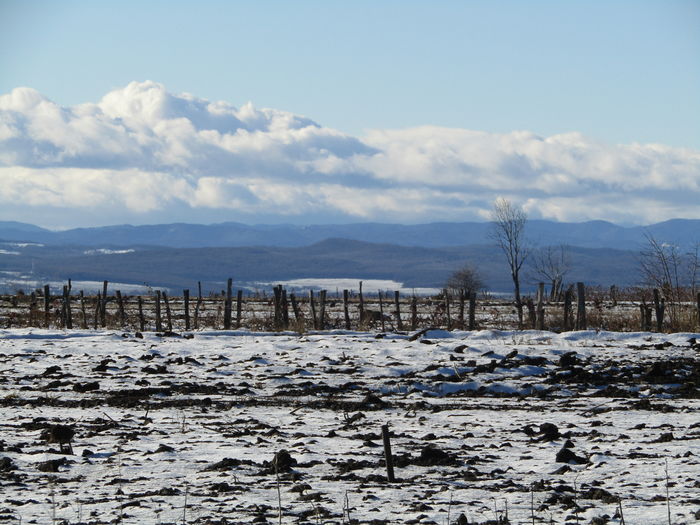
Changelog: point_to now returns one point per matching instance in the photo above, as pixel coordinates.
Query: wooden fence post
(613, 295)
(285, 309)
(98, 310)
(47, 305)
(698, 301)
(142, 321)
(531, 312)
(277, 305)
(322, 310)
(159, 323)
(312, 305)
(659, 308)
(103, 308)
(186, 299)
(581, 323)
(84, 324)
(67, 314)
(198, 305)
(414, 313)
(461, 309)
(388, 459)
(168, 315)
(346, 310)
(227, 305)
(472, 310)
(399, 323)
(361, 306)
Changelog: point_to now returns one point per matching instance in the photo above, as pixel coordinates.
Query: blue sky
(396, 111)
(620, 71)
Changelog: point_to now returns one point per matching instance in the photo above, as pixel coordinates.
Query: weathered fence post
(84, 324)
(531, 313)
(322, 309)
(448, 318)
(68, 316)
(698, 301)
(47, 305)
(643, 325)
(168, 315)
(414, 313)
(540, 306)
(98, 309)
(461, 309)
(103, 308)
(581, 323)
(388, 459)
(159, 323)
(659, 308)
(239, 308)
(399, 324)
(277, 305)
(142, 321)
(186, 300)
(361, 306)
(227, 305)
(198, 305)
(312, 305)
(122, 311)
(346, 310)
(472, 310)
(613, 295)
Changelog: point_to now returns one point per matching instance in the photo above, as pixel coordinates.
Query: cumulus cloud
(142, 151)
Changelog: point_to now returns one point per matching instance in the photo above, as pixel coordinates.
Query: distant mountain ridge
(591, 234)
(418, 267)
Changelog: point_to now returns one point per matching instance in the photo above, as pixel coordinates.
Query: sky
(323, 111)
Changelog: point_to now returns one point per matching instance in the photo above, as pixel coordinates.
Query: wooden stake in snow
(387, 454)
(159, 324)
(186, 300)
(346, 311)
(581, 323)
(227, 305)
(47, 305)
(103, 310)
(659, 308)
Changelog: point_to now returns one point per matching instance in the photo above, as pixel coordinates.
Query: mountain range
(592, 234)
(176, 256)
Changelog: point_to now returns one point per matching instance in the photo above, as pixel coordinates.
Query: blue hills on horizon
(591, 234)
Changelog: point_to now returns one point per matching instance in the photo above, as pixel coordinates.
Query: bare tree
(551, 264)
(665, 267)
(467, 278)
(509, 233)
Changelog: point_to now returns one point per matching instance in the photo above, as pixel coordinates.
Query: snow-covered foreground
(174, 429)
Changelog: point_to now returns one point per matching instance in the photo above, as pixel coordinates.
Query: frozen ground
(175, 429)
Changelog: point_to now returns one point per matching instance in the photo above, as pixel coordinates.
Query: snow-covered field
(186, 430)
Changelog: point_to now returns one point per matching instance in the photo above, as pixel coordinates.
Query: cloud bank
(142, 153)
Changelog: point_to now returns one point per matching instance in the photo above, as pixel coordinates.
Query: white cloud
(142, 151)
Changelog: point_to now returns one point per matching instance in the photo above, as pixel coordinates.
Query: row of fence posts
(318, 309)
